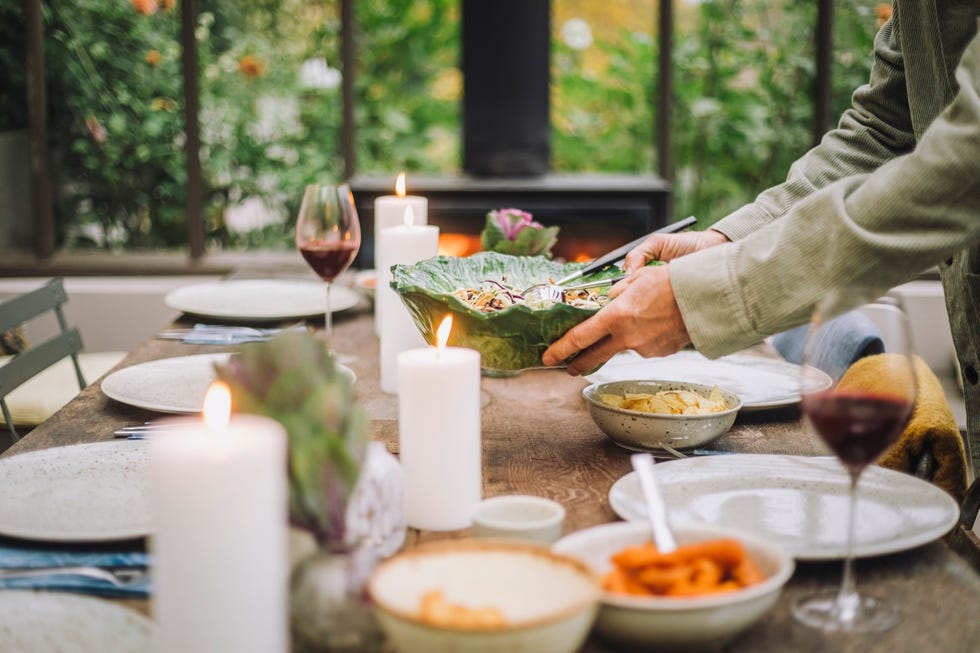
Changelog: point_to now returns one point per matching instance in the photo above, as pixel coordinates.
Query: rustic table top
(555, 450)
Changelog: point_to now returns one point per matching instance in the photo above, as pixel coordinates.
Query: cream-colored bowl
(644, 431)
(548, 601)
(702, 623)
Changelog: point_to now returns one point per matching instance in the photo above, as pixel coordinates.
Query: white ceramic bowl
(643, 431)
(548, 601)
(519, 517)
(672, 623)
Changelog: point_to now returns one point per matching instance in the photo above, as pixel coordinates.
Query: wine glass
(328, 234)
(858, 424)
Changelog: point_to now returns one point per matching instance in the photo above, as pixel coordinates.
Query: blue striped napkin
(16, 554)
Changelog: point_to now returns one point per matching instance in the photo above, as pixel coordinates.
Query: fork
(115, 576)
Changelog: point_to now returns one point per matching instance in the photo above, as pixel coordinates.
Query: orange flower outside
(883, 12)
(168, 4)
(146, 7)
(153, 58)
(251, 66)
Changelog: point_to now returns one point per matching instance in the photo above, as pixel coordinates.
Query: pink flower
(513, 221)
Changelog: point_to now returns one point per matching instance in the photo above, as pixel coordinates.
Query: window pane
(115, 96)
(602, 92)
(271, 114)
(744, 100)
(409, 86)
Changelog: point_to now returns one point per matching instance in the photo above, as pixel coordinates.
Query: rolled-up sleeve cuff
(708, 295)
(743, 222)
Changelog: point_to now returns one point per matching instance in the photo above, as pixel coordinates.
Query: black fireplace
(506, 148)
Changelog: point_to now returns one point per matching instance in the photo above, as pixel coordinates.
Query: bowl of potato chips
(646, 415)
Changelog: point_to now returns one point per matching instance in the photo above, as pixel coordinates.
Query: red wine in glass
(858, 416)
(328, 259)
(858, 426)
(328, 234)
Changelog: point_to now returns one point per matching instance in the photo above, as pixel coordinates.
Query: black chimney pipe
(506, 48)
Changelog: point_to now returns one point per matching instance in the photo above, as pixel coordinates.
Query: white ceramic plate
(761, 382)
(86, 492)
(260, 299)
(170, 385)
(798, 501)
(39, 622)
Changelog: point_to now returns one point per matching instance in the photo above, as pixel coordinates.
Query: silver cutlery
(115, 576)
(139, 431)
(218, 333)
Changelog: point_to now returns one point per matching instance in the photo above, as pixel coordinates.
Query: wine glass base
(828, 612)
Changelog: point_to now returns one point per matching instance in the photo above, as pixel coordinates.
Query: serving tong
(545, 294)
(554, 289)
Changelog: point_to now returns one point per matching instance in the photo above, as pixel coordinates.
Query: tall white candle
(406, 243)
(389, 211)
(439, 434)
(220, 556)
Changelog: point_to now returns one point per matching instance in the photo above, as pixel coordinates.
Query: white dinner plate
(260, 299)
(761, 382)
(798, 501)
(171, 385)
(84, 492)
(39, 622)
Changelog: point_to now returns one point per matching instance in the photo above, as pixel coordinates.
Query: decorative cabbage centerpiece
(510, 337)
(512, 231)
(295, 380)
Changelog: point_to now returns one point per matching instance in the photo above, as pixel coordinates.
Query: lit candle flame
(442, 334)
(409, 218)
(217, 407)
(400, 185)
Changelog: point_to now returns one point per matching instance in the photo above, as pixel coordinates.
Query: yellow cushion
(42, 396)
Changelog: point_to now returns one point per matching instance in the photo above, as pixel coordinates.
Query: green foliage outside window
(270, 107)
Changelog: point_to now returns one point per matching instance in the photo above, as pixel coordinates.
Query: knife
(620, 252)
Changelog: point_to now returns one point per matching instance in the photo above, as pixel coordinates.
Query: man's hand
(643, 316)
(664, 247)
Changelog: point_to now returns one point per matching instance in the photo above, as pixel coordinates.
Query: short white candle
(405, 243)
(389, 211)
(219, 545)
(439, 434)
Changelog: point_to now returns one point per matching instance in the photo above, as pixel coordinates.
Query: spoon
(545, 294)
(663, 537)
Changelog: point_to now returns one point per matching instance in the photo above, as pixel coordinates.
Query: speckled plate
(35, 622)
(171, 385)
(85, 492)
(260, 299)
(798, 501)
(762, 383)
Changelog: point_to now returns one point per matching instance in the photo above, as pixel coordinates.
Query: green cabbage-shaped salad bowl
(509, 340)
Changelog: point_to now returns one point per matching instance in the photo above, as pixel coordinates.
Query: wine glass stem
(847, 596)
(327, 319)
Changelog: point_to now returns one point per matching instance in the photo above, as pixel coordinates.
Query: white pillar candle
(439, 434)
(219, 544)
(389, 211)
(406, 243)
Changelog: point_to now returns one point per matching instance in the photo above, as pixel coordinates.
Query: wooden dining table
(539, 439)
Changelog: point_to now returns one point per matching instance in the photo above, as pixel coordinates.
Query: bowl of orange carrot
(717, 584)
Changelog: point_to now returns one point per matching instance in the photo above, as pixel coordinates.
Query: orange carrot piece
(660, 579)
(634, 557)
(747, 572)
(727, 552)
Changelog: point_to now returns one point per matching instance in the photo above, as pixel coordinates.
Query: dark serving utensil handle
(621, 252)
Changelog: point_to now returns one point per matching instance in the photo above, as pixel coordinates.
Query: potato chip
(669, 402)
